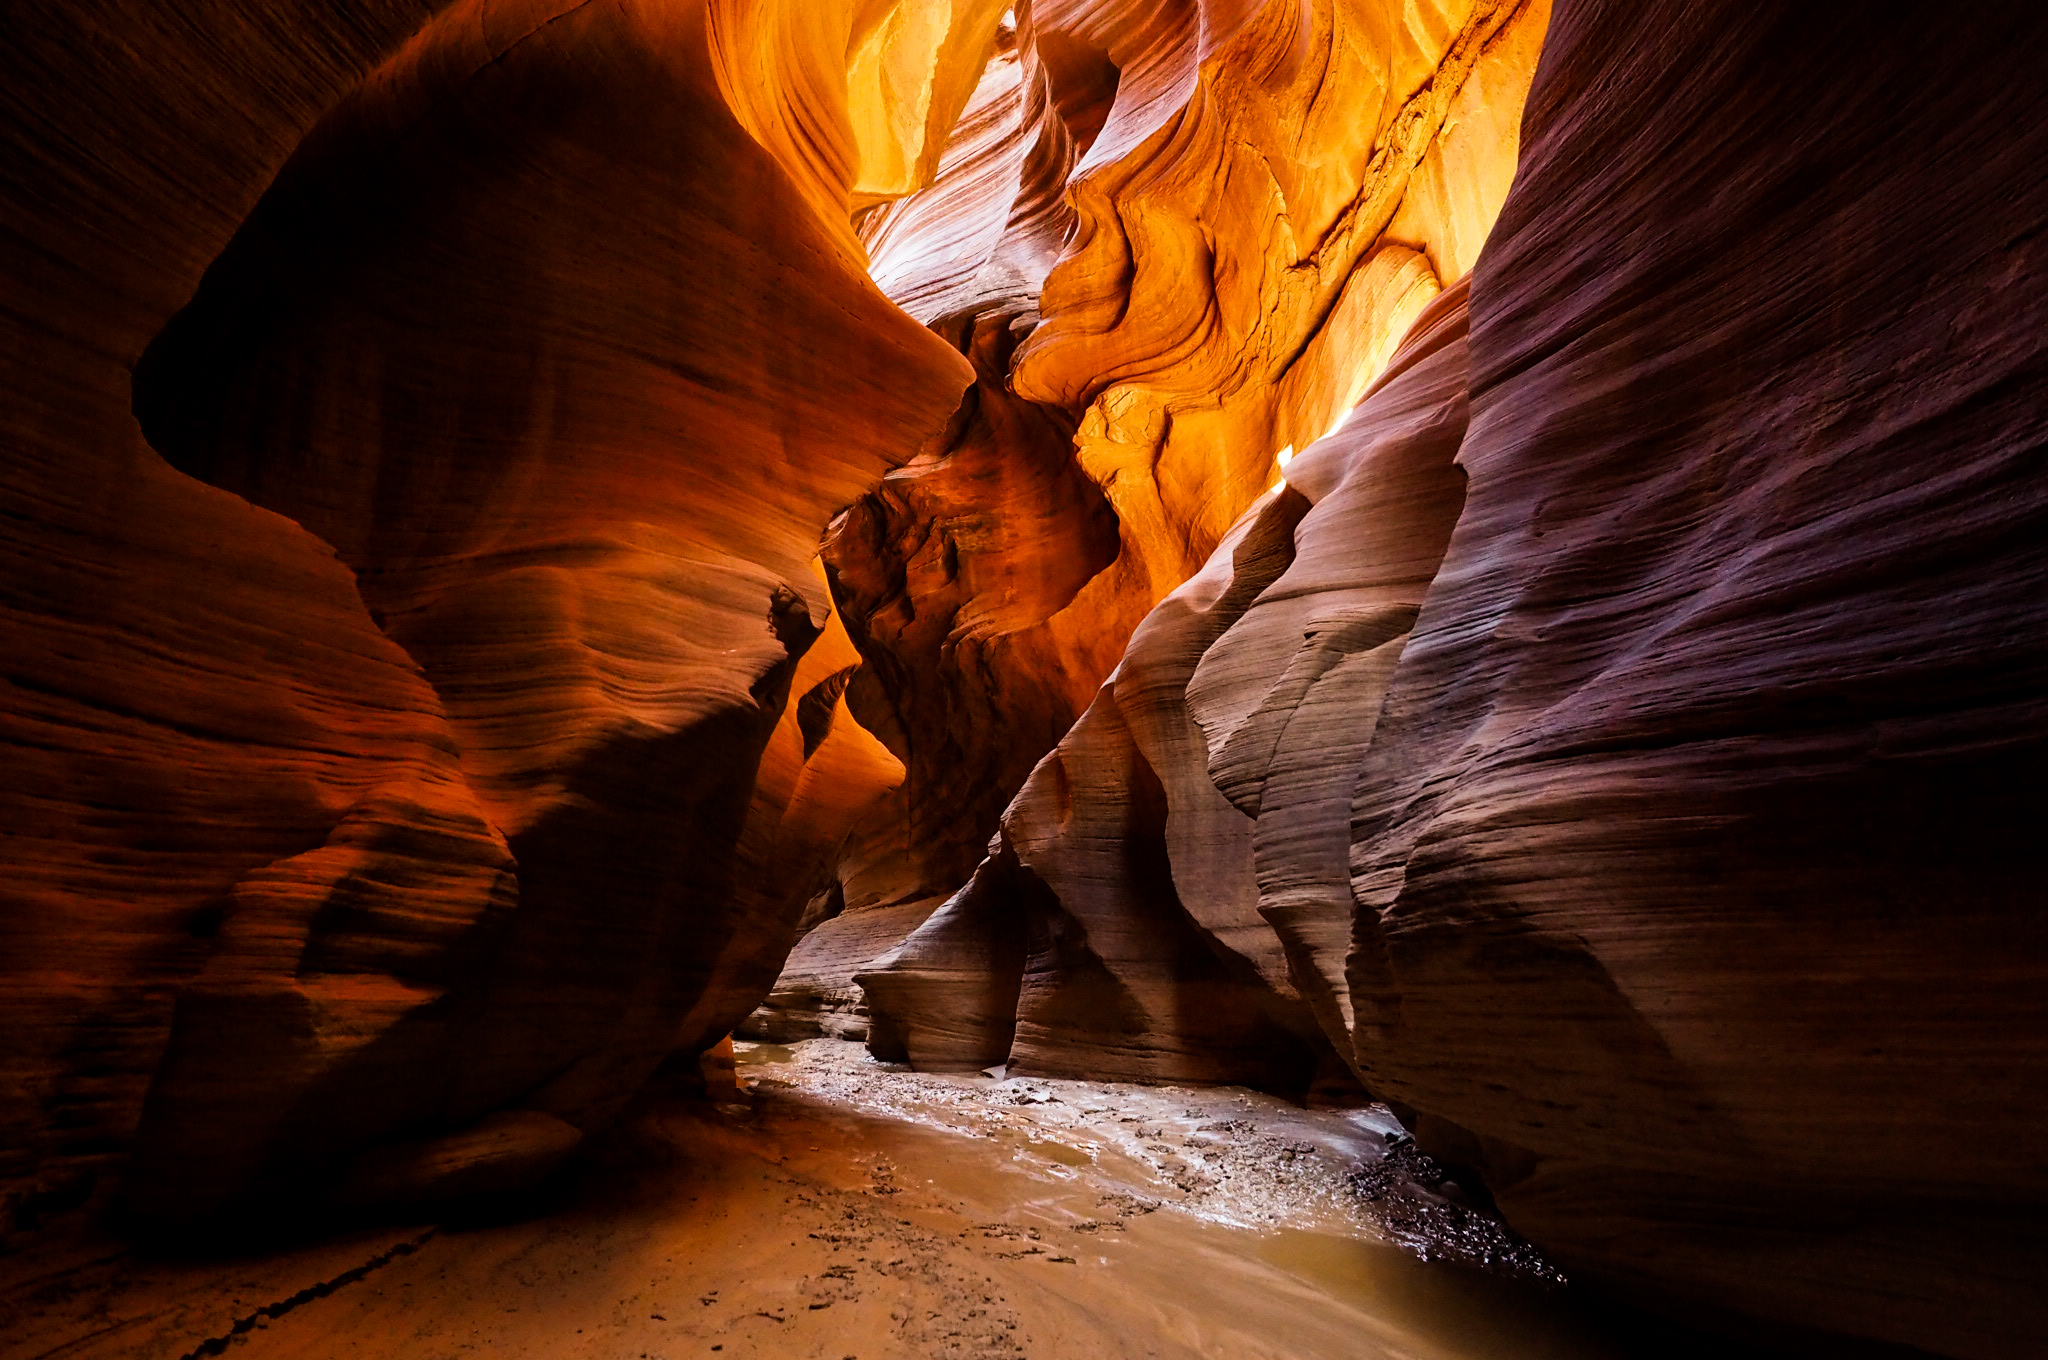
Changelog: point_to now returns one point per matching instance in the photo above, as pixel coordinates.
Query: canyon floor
(845, 1210)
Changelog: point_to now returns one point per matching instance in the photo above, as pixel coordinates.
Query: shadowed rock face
(1287, 699)
(1634, 795)
(191, 690)
(528, 823)
(573, 423)
(947, 576)
(1169, 896)
(1120, 957)
(1693, 826)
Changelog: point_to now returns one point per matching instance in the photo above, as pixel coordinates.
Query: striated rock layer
(1123, 954)
(1287, 699)
(1624, 723)
(664, 476)
(532, 786)
(1141, 912)
(1698, 900)
(190, 689)
(1262, 199)
(498, 334)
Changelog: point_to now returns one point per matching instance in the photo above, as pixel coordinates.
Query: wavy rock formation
(1133, 919)
(467, 337)
(1288, 698)
(1110, 954)
(989, 227)
(992, 586)
(814, 992)
(854, 98)
(519, 524)
(1695, 901)
(540, 814)
(191, 689)
(1230, 213)
(823, 782)
(1641, 820)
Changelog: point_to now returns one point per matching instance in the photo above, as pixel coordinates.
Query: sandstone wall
(1257, 201)
(1630, 724)
(1695, 875)
(192, 690)
(644, 479)
(532, 784)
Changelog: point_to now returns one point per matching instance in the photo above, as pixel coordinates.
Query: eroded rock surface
(1288, 698)
(498, 334)
(1624, 743)
(1246, 251)
(1694, 881)
(192, 695)
(532, 786)
(667, 477)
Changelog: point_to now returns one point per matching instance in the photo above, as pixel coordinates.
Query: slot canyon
(879, 679)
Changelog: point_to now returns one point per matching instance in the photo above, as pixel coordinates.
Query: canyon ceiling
(515, 513)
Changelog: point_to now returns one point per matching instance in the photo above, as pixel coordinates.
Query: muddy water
(843, 1211)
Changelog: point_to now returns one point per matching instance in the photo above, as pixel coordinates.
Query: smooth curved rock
(1139, 920)
(472, 336)
(1647, 818)
(985, 586)
(815, 993)
(1112, 928)
(823, 783)
(1263, 156)
(853, 98)
(1700, 900)
(989, 227)
(1288, 698)
(948, 576)
(192, 690)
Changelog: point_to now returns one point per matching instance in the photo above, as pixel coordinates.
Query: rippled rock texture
(514, 514)
(1691, 856)
(1625, 723)
(192, 690)
(1261, 199)
(564, 347)
(498, 734)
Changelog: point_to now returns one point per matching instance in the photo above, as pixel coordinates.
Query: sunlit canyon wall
(1258, 202)
(512, 513)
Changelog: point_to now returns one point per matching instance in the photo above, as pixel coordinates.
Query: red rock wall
(192, 690)
(1615, 739)
(1693, 852)
(499, 334)
(1107, 933)
(1287, 699)
(1247, 247)
(1169, 896)
(524, 824)
(1657, 837)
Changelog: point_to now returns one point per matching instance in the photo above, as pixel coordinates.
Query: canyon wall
(515, 514)
(1634, 777)
(192, 689)
(387, 876)
(1695, 894)
(1260, 201)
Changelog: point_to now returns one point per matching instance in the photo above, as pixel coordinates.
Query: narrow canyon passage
(1306, 678)
(838, 1207)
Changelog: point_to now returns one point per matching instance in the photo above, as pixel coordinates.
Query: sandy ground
(847, 1211)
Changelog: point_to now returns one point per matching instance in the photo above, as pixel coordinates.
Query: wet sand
(846, 1211)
